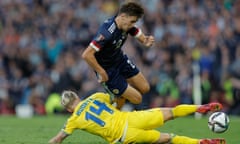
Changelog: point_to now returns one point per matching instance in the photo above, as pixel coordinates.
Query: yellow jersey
(97, 116)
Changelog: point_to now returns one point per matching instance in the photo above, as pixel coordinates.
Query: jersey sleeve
(100, 40)
(69, 127)
(135, 31)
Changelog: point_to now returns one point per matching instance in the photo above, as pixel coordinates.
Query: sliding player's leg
(176, 139)
(135, 135)
(154, 118)
(141, 123)
(184, 110)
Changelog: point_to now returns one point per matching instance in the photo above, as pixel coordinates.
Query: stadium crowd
(41, 42)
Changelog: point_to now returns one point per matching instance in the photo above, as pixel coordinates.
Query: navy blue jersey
(108, 43)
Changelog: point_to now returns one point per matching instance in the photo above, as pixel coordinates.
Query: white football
(218, 122)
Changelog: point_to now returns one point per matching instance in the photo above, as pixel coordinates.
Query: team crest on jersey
(115, 91)
(119, 43)
(100, 37)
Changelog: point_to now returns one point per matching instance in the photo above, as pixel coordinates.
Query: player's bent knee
(136, 99)
(145, 89)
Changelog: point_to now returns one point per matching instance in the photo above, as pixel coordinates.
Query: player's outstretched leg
(176, 139)
(213, 141)
(209, 107)
(183, 110)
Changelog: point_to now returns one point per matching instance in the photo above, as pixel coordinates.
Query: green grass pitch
(38, 130)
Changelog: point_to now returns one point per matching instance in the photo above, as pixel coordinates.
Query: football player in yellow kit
(97, 116)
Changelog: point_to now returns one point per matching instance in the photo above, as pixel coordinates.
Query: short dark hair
(132, 9)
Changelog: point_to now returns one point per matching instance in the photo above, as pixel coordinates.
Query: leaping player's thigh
(146, 119)
(135, 135)
(139, 82)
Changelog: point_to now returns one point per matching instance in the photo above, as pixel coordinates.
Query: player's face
(128, 22)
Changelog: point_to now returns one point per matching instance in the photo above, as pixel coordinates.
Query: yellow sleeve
(69, 127)
(105, 97)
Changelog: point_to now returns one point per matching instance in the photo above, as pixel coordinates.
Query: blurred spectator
(37, 103)
(53, 104)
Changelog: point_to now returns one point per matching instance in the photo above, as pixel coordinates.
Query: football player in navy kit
(114, 70)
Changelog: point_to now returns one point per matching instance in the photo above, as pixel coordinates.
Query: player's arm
(141, 37)
(88, 56)
(146, 40)
(58, 138)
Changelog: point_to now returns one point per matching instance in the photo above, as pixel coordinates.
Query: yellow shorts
(141, 125)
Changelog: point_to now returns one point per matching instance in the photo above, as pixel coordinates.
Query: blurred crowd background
(41, 42)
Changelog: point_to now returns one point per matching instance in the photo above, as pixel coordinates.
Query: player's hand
(149, 40)
(102, 77)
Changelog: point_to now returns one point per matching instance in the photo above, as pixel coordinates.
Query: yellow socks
(183, 110)
(183, 140)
